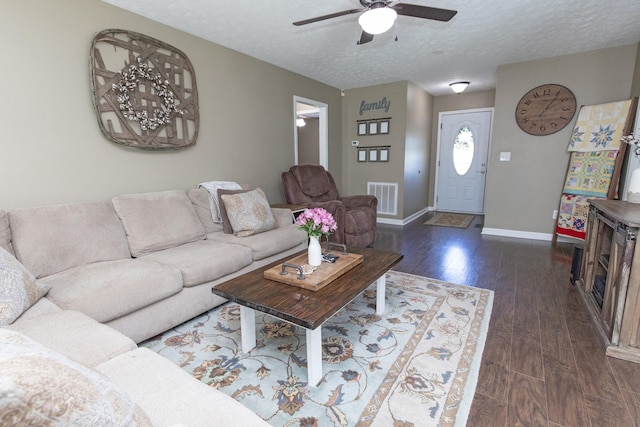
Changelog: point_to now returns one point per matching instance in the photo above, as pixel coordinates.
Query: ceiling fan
(378, 16)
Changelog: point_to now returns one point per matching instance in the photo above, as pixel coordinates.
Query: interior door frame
(453, 112)
(323, 129)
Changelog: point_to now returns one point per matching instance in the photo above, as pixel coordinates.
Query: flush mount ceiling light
(300, 122)
(378, 19)
(459, 87)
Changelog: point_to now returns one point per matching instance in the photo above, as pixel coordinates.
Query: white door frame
(323, 126)
(440, 115)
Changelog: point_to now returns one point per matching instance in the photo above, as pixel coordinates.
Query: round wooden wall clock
(545, 109)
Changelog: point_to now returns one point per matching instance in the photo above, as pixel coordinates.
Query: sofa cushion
(77, 336)
(51, 239)
(18, 288)
(202, 204)
(249, 213)
(42, 387)
(5, 233)
(42, 307)
(268, 243)
(204, 260)
(107, 290)
(171, 396)
(157, 221)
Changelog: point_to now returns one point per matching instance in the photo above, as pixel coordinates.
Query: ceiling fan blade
(365, 38)
(425, 12)
(323, 17)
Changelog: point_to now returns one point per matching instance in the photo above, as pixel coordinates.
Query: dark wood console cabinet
(609, 283)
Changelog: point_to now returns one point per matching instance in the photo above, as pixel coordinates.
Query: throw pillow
(41, 387)
(18, 289)
(249, 213)
(226, 225)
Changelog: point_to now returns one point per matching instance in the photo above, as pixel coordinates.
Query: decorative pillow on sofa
(249, 213)
(42, 387)
(226, 225)
(18, 289)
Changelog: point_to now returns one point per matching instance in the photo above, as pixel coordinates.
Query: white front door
(463, 146)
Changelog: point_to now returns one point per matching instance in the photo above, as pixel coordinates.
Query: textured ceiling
(483, 35)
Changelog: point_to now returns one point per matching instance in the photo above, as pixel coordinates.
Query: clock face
(545, 109)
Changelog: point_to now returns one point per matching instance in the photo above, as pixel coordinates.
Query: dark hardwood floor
(542, 364)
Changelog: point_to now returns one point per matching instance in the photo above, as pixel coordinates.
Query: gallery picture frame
(373, 154)
(383, 154)
(362, 128)
(362, 154)
(373, 128)
(383, 127)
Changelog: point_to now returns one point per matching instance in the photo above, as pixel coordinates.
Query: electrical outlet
(554, 215)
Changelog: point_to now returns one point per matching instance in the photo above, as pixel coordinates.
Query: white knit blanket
(212, 187)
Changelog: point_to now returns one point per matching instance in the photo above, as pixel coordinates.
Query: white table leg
(381, 288)
(314, 356)
(247, 328)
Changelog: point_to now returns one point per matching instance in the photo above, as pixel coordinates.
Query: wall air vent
(387, 195)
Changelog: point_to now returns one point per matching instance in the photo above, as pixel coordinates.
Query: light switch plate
(505, 156)
(355, 143)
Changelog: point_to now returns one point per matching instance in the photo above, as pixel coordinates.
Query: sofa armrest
(361, 201)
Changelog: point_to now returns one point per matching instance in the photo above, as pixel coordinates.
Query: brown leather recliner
(313, 186)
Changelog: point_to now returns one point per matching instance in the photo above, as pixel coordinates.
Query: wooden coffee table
(303, 307)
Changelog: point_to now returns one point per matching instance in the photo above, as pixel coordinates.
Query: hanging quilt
(590, 173)
(572, 216)
(600, 127)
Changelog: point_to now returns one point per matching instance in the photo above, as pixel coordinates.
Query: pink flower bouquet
(316, 222)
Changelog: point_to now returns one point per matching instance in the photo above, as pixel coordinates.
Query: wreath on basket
(129, 82)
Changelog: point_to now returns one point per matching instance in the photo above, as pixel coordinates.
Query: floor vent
(387, 195)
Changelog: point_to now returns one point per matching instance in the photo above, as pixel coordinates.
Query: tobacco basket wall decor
(144, 91)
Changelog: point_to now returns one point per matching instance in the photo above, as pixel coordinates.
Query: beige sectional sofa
(123, 271)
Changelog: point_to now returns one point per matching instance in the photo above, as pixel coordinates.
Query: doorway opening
(311, 132)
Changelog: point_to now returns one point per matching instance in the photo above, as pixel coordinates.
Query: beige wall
(416, 155)
(454, 102)
(635, 87)
(521, 194)
(355, 175)
(54, 152)
(308, 141)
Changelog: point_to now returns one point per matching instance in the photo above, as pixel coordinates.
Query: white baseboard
(517, 234)
(405, 221)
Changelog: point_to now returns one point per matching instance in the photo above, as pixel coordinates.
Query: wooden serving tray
(326, 272)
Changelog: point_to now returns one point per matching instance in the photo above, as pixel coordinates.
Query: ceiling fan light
(377, 20)
(459, 87)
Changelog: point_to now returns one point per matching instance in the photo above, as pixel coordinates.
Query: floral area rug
(416, 364)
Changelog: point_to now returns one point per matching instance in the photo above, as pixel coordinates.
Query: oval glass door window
(463, 147)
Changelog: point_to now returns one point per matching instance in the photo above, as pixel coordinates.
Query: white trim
(532, 235)
(405, 221)
(323, 125)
